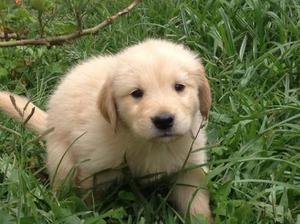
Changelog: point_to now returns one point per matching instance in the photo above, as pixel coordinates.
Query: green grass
(251, 51)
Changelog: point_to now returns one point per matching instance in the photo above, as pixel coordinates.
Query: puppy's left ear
(204, 94)
(107, 105)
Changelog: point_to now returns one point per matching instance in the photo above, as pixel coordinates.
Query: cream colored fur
(101, 125)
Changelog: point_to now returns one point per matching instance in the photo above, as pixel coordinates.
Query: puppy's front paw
(189, 198)
(199, 210)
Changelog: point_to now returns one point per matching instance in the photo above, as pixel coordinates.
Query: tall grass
(251, 51)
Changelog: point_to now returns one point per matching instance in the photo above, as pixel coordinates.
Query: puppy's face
(156, 90)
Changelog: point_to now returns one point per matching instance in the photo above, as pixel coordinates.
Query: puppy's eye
(138, 93)
(179, 87)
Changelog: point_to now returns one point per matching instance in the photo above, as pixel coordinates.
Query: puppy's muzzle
(163, 121)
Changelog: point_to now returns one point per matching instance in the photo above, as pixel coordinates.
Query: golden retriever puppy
(143, 107)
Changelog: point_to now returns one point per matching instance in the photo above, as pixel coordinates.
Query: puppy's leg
(95, 184)
(60, 165)
(186, 192)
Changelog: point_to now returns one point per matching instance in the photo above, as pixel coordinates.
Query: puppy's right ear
(204, 93)
(204, 97)
(107, 104)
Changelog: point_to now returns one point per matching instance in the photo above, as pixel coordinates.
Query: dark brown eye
(138, 93)
(179, 87)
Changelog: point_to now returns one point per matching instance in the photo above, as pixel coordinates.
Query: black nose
(163, 121)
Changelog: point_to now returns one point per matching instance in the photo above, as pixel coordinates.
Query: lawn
(251, 51)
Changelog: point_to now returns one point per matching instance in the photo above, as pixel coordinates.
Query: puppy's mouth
(166, 136)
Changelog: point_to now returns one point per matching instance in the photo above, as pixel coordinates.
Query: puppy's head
(156, 91)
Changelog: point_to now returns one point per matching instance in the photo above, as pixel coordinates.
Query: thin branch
(56, 40)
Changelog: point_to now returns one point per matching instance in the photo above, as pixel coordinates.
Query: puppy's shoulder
(93, 69)
(80, 87)
(87, 75)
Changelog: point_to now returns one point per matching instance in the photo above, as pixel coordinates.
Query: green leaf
(41, 5)
(5, 218)
(27, 220)
(38, 5)
(244, 212)
(4, 4)
(95, 220)
(248, 75)
(126, 196)
(3, 72)
(118, 213)
(224, 191)
(217, 117)
(61, 27)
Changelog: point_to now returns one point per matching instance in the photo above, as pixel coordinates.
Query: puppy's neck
(146, 157)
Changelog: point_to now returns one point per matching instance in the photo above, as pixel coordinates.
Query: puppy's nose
(163, 121)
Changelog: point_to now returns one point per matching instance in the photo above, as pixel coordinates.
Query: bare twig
(56, 40)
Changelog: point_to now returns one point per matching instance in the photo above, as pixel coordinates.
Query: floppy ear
(107, 104)
(204, 95)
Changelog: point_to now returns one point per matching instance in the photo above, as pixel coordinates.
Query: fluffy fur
(98, 121)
